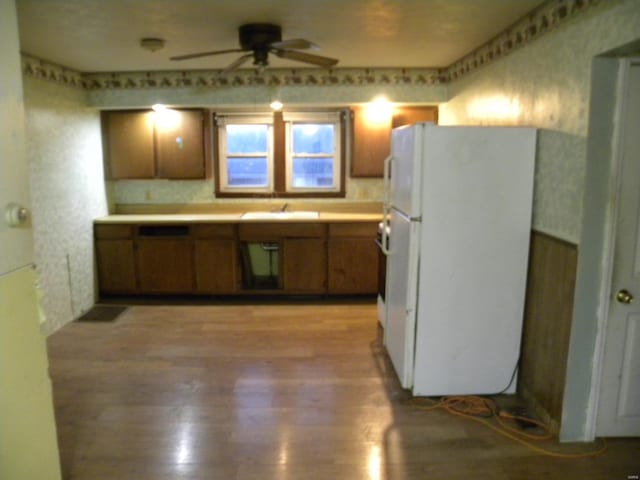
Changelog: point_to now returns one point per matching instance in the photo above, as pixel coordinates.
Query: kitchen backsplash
(201, 191)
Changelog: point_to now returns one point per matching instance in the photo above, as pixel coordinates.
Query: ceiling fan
(261, 39)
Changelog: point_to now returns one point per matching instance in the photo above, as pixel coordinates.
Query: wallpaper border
(538, 22)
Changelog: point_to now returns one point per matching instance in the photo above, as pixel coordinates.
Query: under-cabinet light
(379, 110)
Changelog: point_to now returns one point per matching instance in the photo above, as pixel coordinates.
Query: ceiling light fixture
(152, 44)
(276, 105)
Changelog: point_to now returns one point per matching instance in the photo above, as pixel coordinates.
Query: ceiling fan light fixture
(152, 44)
(259, 40)
(261, 57)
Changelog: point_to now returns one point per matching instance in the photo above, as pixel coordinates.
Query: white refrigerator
(458, 202)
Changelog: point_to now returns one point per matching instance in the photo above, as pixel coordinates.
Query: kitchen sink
(302, 215)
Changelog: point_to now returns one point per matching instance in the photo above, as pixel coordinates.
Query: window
(313, 152)
(284, 154)
(245, 153)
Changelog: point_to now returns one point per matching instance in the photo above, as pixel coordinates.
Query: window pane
(247, 172)
(312, 138)
(312, 172)
(246, 138)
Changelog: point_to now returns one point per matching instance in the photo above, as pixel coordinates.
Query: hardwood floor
(268, 392)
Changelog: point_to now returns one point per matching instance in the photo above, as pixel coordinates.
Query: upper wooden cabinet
(372, 136)
(408, 115)
(146, 144)
(371, 143)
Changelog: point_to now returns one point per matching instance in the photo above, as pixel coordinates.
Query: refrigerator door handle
(386, 204)
(385, 239)
(386, 182)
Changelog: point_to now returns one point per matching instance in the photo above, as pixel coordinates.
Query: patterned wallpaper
(547, 85)
(68, 192)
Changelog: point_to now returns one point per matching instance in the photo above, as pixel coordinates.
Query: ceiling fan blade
(204, 54)
(306, 57)
(236, 64)
(296, 44)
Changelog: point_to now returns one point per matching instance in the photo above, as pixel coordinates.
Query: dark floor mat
(102, 313)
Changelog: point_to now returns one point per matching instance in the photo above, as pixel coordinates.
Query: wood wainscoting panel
(547, 324)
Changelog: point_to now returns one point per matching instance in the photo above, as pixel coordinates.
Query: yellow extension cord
(482, 410)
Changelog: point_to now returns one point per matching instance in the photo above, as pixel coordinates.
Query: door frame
(595, 255)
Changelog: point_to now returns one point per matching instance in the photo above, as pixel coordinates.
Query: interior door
(619, 405)
(28, 446)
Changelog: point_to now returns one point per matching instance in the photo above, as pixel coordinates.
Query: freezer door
(402, 278)
(406, 157)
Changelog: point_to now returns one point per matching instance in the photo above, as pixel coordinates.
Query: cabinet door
(216, 266)
(408, 115)
(304, 265)
(372, 137)
(180, 144)
(129, 144)
(165, 265)
(371, 144)
(353, 266)
(116, 266)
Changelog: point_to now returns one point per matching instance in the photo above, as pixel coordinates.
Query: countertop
(167, 218)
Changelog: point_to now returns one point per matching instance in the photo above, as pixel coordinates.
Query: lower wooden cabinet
(116, 266)
(205, 259)
(216, 266)
(353, 259)
(165, 265)
(304, 263)
(116, 259)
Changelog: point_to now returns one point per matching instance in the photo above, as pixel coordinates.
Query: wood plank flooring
(284, 391)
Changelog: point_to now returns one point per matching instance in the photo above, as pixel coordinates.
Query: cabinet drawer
(113, 231)
(214, 231)
(353, 230)
(271, 231)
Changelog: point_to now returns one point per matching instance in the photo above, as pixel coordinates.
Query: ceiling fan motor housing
(259, 35)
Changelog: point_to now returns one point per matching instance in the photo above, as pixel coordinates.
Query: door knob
(623, 296)
(15, 215)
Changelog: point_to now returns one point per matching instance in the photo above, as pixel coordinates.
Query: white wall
(68, 192)
(546, 84)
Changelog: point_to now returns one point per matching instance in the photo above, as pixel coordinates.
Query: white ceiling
(104, 35)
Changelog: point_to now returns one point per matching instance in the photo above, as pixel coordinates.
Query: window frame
(317, 118)
(222, 155)
(280, 165)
